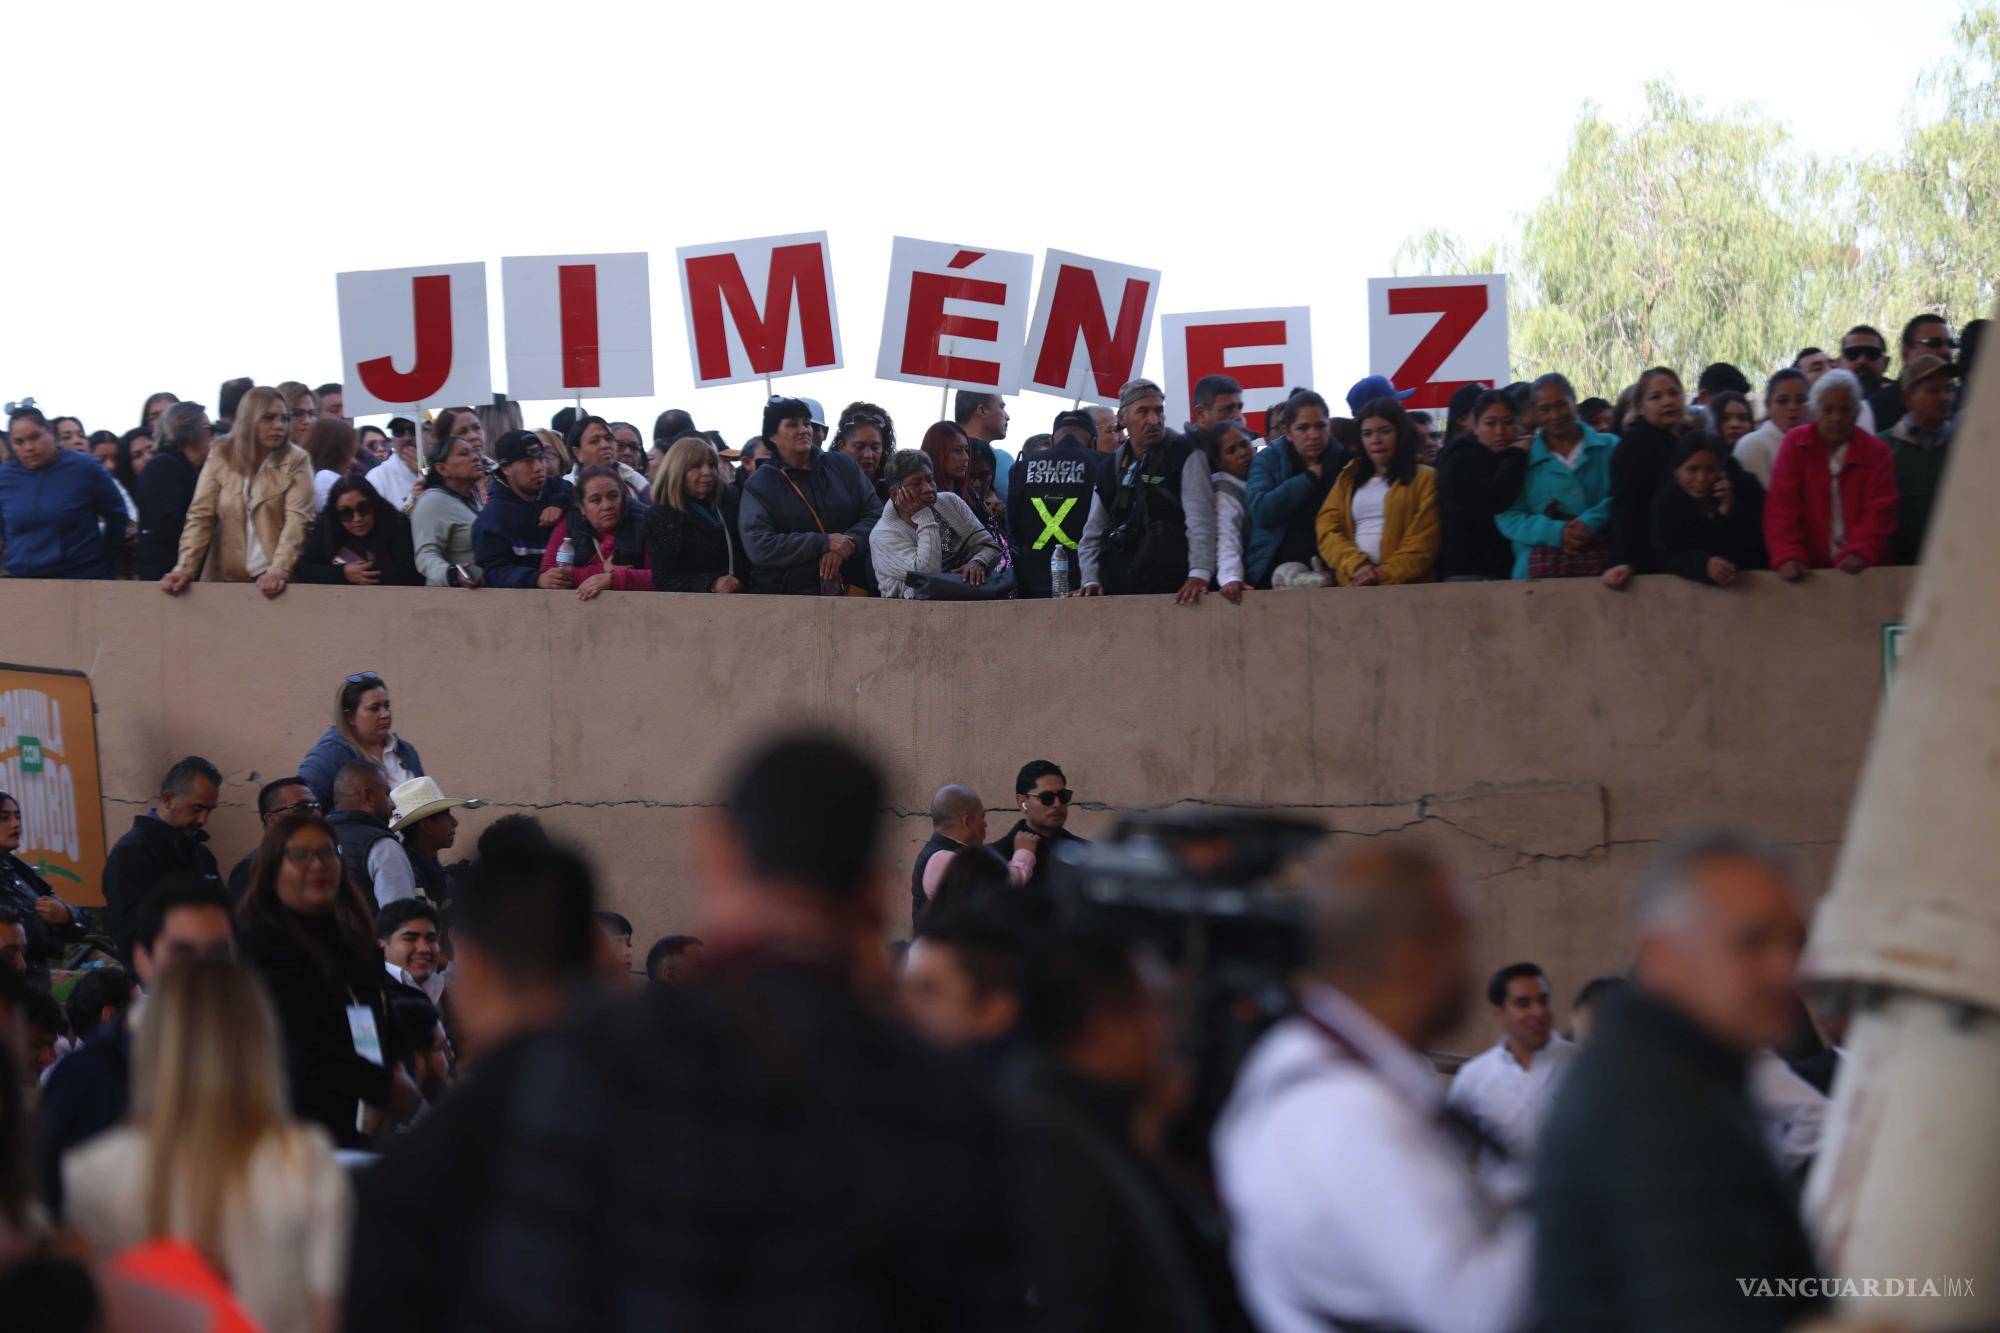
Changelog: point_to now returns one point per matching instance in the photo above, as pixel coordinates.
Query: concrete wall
(1543, 735)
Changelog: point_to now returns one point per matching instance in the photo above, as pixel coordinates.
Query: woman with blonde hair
(252, 506)
(691, 540)
(216, 1157)
(363, 732)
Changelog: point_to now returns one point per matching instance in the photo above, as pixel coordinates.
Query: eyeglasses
(1937, 344)
(326, 856)
(364, 677)
(295, 807)
(1047, 798)
(1863, 353)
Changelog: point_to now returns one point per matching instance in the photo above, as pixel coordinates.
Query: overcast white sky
(184, 181)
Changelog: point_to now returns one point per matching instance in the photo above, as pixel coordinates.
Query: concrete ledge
(1542, 734)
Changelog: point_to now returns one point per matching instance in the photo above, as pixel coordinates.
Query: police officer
(1050, 494)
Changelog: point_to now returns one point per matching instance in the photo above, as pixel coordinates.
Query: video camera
(1203, 889)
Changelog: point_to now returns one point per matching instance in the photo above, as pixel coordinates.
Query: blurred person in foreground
(1656, 1189)
(758, 1149)
(212, 1156)
(1352, 1193)
(90, 1090)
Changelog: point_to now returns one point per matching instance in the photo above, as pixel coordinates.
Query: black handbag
(954, 588)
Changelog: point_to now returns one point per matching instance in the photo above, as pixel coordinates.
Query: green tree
(1688, 238)
(1694, 236)
(1930, 213)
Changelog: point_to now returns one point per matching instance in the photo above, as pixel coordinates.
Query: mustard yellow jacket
(215, 540)
(1410, 529)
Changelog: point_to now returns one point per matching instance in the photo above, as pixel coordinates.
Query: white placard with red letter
(578, 326)
(413, 336)
(955, 316)
(1267, 351)
(758, 308)
(1436, 335)
(1092, 321)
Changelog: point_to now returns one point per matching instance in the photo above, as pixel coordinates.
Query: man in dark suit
(1656, 1196)
(167, 839)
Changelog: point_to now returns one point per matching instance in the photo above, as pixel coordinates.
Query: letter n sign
(413, 337)
(1436, 335)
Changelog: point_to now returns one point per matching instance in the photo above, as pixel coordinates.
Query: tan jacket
(214, 541)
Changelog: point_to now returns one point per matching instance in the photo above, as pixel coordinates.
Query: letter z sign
(1436, 335)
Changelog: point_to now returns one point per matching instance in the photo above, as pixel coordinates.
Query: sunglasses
(364, 677)
(294, 807)
(1863, 353)
(1065, 795)
(1937, 344)
(349, 513)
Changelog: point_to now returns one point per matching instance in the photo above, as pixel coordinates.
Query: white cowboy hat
(420, 798)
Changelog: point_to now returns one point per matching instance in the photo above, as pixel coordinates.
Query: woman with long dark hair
(306, 930)
(1379, 524)
(359, 539)
(607, 540)
(951, 460)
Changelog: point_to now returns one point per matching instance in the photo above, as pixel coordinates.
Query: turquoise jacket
(1583, 491)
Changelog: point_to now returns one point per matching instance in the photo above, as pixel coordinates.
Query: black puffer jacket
(1474, 486)
(687, 553)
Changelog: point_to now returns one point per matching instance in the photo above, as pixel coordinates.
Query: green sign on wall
(1893, 635)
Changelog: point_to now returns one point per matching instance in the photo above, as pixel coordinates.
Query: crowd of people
(1836, 464)
(368, 1078)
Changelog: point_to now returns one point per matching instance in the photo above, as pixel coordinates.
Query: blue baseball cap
(1368, 390)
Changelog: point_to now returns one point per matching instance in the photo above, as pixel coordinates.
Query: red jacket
(591, 558)
(1798, 510)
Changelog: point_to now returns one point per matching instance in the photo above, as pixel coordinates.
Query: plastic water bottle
(566, 554)
(1059, 573)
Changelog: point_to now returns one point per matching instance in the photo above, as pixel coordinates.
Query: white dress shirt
(1793, 1110)
(393, 480)
(1508, 1103)
(433, 986)
(1348, 1198)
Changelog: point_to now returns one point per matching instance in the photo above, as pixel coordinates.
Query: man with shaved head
(958, 824)
(1351, 1191)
